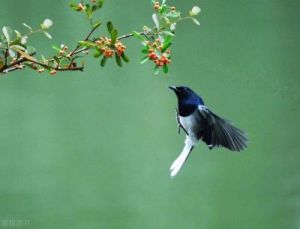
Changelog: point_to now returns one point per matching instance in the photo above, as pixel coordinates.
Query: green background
(93, 149)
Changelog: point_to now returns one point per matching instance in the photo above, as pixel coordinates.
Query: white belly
(189, 123)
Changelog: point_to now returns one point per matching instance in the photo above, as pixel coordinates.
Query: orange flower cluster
(120, 48)
(108, 49)
(155, 54)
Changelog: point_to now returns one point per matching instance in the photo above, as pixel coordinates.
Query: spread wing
(218, 132)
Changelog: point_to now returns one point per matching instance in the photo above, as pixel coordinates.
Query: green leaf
(97, 24)
(168, 33)
(138, 36)
(17, 47)
(163, 9)
(7, 31)
(97, 53)
(172, 14)
(168, 40)
(167, 20)
(27, 26)
(125, 58)
(44, 59)
(94, 8)
(48, 35)
(57, 60)
(74, 6)
(145, 50)
(114, 36)
(165, 47)
(103, 61)
(89, 10)
(12, 53)
(156, 70)
(195, 21)
(100, 4)
(110, 26)
(88, 44)
(167, 43)
(56, 48)
(118, 60)
(144, 60)
(155, 20)
(165, 69)
(16, 41)
(18, 34)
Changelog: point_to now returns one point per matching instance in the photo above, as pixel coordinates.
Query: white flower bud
(47, 24)
(195, 11)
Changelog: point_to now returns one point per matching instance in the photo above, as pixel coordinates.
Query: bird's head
(186, 94)
(183, 92)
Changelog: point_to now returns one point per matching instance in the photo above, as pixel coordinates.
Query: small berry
(52, 72)
(73, 65)
(81, 7)
(98, 42)
(40, 70)
(173, 8)
(108, 52)
(152, 56)
(151, 50)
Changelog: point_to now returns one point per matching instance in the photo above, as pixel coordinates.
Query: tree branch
(6, 68)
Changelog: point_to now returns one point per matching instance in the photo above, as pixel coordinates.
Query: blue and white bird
(200, 123)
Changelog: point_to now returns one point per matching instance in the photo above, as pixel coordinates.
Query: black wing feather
(218, 132)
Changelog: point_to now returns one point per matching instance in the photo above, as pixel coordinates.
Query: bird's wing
(220, 132)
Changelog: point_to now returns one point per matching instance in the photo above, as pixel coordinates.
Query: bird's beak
(173, 88)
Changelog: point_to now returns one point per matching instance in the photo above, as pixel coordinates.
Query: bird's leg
(179, 124)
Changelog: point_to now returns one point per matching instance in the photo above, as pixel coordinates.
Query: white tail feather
(177, 164)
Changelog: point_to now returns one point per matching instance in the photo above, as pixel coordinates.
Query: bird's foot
(179, 124)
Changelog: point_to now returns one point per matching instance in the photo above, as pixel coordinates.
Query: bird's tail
(177, 164)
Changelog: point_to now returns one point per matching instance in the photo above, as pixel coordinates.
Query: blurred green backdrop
(93, 149)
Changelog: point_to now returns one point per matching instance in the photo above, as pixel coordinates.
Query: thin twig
(130, 35)
(6, 55)
(85, 39)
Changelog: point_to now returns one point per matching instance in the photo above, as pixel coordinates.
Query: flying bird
(200, 123)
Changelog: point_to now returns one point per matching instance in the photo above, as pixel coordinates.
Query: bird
(200, 123)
